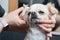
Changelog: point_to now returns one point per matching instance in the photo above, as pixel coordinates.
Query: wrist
(3, 22)
(6, 19)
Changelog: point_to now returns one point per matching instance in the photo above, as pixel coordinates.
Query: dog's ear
(52, 9)
(24, 13)
(24, 16)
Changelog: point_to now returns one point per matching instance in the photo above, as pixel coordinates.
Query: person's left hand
(47, 26)
(13, 18)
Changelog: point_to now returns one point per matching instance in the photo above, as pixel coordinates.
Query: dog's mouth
(35, 21)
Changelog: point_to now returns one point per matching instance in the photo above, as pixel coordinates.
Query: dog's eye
(40, 11)
(29, 13)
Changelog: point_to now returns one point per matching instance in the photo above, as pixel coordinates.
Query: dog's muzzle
(33, 15)
(34, 18)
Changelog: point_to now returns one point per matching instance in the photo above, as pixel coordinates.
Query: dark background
(20, 36)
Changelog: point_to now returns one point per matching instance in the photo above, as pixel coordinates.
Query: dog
(33, 14)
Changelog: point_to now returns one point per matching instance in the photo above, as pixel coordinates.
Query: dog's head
(38, 12)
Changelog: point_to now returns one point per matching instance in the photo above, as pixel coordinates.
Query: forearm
(58, 19)
(3, 23)
(1, 27)
(57, 22)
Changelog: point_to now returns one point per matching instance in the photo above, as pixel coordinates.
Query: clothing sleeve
(2, 11)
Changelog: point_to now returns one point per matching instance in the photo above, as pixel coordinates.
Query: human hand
(12, 18)
(47, 26)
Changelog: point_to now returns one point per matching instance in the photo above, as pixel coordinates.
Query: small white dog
(35, 13)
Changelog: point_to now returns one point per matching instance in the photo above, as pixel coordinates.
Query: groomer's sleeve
(2, 11)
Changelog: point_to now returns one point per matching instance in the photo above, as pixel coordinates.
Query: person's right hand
(47, 26)
(12, 18)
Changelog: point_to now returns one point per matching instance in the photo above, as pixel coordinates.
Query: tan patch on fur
(52, 9)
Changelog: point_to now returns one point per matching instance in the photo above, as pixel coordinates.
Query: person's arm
(3, 23)
(1, 27)
(57, 22)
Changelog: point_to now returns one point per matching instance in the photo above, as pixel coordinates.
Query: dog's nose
(33, 15)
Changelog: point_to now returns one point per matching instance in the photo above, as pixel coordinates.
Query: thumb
(18, 10)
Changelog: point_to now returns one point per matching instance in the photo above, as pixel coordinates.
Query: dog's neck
(36, 33)
(35, 28)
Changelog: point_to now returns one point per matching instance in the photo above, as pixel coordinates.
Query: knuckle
(49, 30)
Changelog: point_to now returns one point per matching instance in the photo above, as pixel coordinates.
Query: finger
(46, 29)
(21, 22)
(49, 34)
(18, 10)
(48, 25)
(47, 22)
